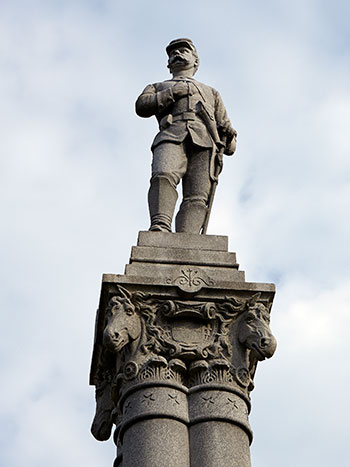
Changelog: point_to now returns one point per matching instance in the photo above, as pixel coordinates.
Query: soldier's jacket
(178, 118)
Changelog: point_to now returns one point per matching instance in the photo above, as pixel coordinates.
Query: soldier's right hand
(180, 89)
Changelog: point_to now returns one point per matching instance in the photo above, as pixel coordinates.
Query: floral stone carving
(190, 279)
(183, 343)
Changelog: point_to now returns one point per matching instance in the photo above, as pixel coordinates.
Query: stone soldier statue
(193, 130)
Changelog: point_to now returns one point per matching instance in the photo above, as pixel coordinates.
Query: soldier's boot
(162, 197)
(191, 216)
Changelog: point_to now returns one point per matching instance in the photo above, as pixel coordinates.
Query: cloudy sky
(75, 166)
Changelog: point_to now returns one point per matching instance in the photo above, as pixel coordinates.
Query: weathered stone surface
(173, 263)
(212, 405)
(156, 442)
(180, 256)
(183, 240)
(221, 287)
(218, 444)
(185, 274)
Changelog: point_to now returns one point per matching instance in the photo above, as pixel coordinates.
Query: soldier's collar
(181, 78)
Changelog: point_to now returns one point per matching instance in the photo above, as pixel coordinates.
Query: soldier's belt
(184, 116)
(169, 119)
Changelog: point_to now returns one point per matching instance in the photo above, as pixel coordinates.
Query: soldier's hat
(180, 42)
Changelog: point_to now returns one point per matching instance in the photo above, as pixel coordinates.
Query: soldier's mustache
(177, 58)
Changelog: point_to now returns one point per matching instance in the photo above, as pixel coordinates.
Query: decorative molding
(190, 279)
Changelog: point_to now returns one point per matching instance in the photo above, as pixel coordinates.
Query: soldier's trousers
(172, 163)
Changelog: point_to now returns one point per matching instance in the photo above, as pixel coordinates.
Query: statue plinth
(178, 338)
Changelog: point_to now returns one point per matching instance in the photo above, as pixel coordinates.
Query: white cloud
(298, 408)
(74, 176)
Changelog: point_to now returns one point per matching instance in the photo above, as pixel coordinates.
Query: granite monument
(179, 335)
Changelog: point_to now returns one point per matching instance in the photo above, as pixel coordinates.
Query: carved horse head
(254, 333)
(123, 326)
(251, 337)
(123, 323)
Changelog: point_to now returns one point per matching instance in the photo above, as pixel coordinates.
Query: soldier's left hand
(180, 89)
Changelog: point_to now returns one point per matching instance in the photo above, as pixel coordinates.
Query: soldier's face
(181, 58)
